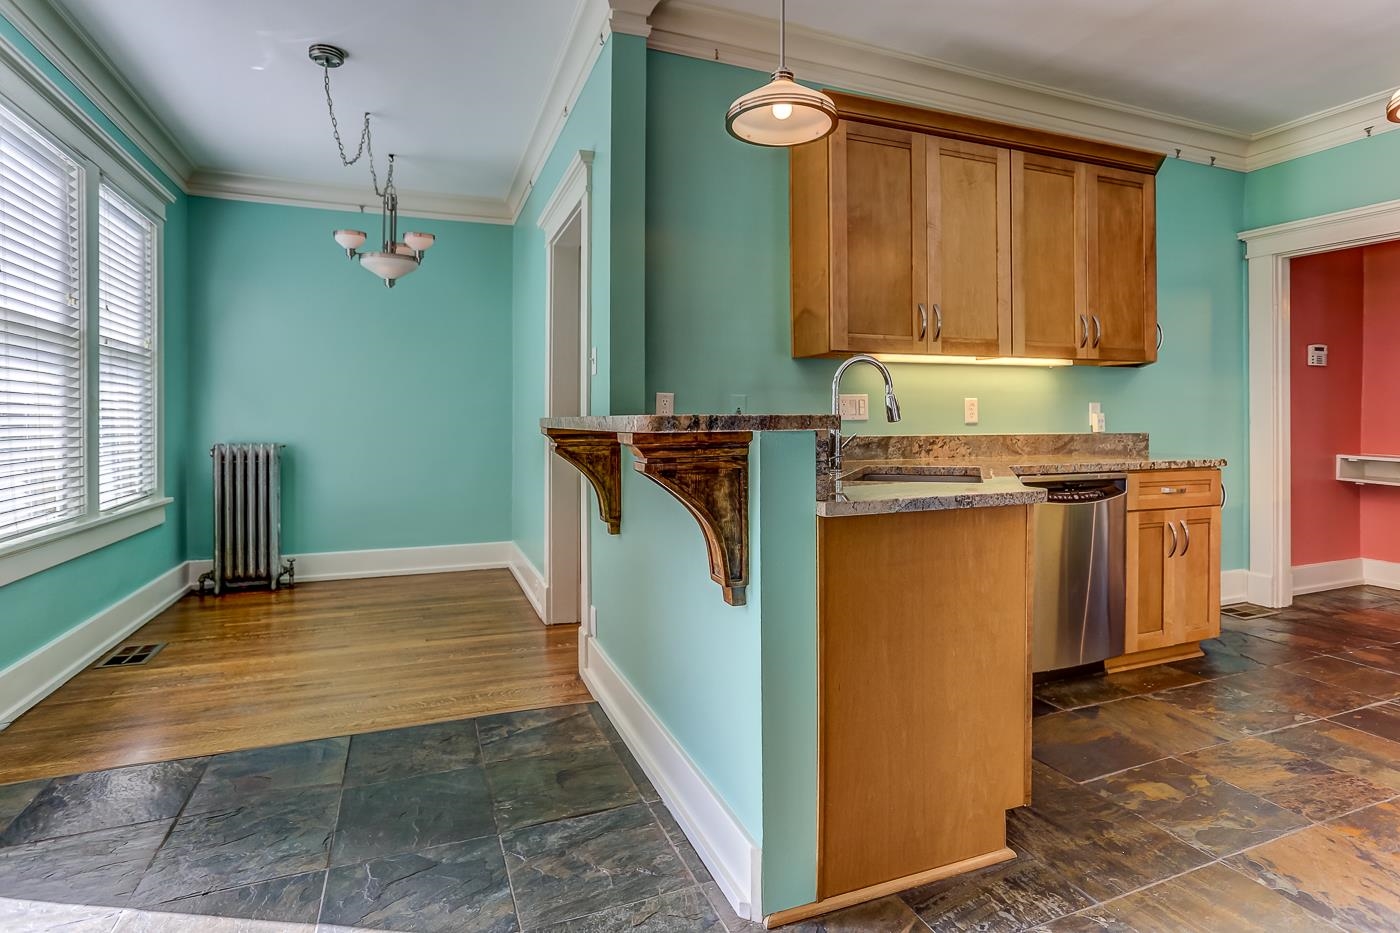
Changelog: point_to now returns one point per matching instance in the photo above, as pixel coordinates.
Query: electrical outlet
(665, 403)
(971, 411)
(855, 407)
(1096, 419)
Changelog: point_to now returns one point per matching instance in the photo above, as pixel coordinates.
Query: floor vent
(131, 655)
(1248, 611)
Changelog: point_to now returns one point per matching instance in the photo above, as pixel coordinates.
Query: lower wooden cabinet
(1173, 568)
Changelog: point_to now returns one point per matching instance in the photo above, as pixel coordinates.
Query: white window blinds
(126, 352)
(41, 373)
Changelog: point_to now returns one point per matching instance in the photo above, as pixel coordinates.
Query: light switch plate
(665, 403)
(971, 411)
(855, 407)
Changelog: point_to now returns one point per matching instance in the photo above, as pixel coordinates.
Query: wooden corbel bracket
(709, 474)
(597, 455)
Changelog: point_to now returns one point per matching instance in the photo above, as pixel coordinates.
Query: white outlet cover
(855, 407)
(665, 403)
(971, 411)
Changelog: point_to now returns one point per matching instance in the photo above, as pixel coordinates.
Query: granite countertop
(692, 424)
(1000, 461)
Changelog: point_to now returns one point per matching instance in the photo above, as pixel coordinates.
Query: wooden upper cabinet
(928, 233)
(879, 300)
(1048, 272)
(1121, 214)
(969, 248)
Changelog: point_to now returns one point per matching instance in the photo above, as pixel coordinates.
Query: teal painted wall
(39, 608)
(392, 402)
(1354, 175)
(717, 302)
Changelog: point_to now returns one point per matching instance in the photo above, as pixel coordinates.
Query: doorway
(565, 221)
(1270, 255)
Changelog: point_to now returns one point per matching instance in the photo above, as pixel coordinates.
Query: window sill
(36, 553)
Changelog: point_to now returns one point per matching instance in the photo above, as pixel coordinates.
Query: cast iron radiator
(247, 518)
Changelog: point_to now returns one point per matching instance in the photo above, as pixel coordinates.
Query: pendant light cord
(366, 146)
(782, 50)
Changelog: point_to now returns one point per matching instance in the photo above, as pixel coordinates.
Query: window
(126, 353)
(78, 327)
(42, 479)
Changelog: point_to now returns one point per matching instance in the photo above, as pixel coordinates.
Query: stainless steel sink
(917, 478)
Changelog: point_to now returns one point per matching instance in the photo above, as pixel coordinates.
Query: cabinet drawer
(1173, 489)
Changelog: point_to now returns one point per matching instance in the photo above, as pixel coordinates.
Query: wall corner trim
(721, 841)
(529, 579)
(39, 673)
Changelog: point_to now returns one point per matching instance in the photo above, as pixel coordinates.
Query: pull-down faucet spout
(891, 403)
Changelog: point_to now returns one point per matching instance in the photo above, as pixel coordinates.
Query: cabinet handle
(1098, 330)
(1224, 494)
(1083, 330)
(1159, 336)
(923, 321)
(1173, 490)
(937, 322)
(1175, 541)
(1187, 533)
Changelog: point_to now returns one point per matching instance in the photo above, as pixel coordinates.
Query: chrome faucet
(891, 403)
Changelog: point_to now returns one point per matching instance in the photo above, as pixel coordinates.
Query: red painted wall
(1327, 299)
(1380, 397)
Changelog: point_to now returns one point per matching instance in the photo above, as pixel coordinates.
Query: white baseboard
(1381, 573)
(41, 672)
(531, 580)
(392, 562)
(1314, 578)
(1234, 587)
(724, 846)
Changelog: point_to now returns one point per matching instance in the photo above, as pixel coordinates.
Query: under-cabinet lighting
(972, 360)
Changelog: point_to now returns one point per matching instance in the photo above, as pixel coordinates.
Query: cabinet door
(1194, 575)
(1047, 257)
(1122, 265)
(1149, 543)
(969, 248)
(879, 229)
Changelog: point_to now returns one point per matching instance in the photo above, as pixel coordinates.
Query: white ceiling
(1240, 65)
(455, 86)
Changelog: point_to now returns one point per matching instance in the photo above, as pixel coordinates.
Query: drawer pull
(1175, 541)
(1173, 490)
(1187, 532)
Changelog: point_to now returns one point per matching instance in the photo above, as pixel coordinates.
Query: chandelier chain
(366, 146)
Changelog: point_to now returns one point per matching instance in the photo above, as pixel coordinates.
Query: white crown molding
(74, 53)
(750, 41)
(1322, 130)
(235, 187)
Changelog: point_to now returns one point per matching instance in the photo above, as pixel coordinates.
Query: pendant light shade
(1392, 109)
(781, 113)
(388, 266)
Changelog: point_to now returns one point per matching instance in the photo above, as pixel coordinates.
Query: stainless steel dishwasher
(1080, 570)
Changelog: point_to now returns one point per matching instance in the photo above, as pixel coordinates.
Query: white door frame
(1268, 251)
(565, 495)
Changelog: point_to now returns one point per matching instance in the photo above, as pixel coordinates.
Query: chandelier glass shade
(782, 112)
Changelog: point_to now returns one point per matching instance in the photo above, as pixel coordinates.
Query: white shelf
(1369, 469)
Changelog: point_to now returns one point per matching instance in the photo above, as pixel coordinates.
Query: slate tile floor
(1257, 788)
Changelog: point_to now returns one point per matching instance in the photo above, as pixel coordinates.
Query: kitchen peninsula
(889, 622)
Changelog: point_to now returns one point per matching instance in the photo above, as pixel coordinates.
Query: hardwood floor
(254, 669)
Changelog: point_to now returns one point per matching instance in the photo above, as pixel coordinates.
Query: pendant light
(396, 258)
(1392, 109)
(782, 112)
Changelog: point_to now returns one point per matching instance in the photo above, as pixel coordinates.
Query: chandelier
(395, 258)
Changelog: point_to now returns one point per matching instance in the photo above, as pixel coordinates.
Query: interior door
(879, 230)
(1122, 272)
(1195, 580)
(1150, 543)
(969, 248)
(1047, 256)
